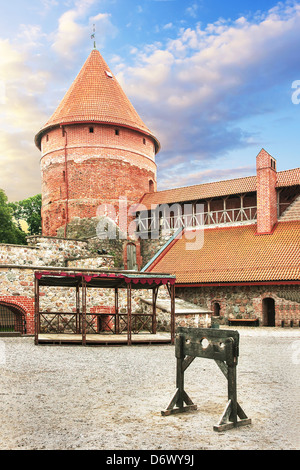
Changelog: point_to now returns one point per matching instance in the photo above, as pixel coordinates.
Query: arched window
(12, 319)
(151, 186)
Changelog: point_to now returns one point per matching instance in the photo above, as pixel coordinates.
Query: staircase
(292, 212)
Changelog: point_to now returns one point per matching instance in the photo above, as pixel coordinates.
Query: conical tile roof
(96, 96)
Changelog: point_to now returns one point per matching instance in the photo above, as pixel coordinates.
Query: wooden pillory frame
(77, 322)
(223, 347)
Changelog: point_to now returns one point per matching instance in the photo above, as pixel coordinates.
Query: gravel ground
(110, 398)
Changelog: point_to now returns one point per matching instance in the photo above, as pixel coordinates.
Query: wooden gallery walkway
(101, 324)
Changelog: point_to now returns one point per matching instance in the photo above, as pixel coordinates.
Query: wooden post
(154, 299)
(180, 375)
(117, 323)
(172, 313)
(83, 285)
(180, 397)
(36, 310)
(129, 314)
(77, 309)
(232, 394)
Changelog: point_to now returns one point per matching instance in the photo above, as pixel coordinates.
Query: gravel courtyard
(110, 397)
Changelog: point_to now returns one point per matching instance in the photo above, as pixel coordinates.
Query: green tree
(29, 210)
(9, 231)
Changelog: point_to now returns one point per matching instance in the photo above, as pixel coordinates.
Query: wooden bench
(243, 321)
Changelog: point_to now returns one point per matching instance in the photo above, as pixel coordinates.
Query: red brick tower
(95, 149)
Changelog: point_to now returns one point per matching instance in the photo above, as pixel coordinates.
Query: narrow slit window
(91, 129)
(117, 132)
(151, 186)
(144, 141)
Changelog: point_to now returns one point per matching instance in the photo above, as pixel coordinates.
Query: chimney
(266, 192)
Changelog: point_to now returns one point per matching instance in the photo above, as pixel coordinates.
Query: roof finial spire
(93, 36)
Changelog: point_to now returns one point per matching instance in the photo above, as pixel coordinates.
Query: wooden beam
(83, 286)
(129, 316)
(117, 320)
(36, 310)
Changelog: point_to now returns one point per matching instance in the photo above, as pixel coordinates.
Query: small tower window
(144, 141)
(117, 132)
(47, 138)
(151, 186)
(91, 130)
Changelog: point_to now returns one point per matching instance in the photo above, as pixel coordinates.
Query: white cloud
(69, 34)
(194, 91)
(192, 10)
(21, 117)
(27, 85)
(73, 29)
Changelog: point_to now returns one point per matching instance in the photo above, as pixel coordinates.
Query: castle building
(240, 254)
(94, 149)
(234, 246)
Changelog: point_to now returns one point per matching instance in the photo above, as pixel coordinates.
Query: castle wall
(17, 266)
(248, 302)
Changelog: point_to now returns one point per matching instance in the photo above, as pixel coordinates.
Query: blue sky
(212, 79)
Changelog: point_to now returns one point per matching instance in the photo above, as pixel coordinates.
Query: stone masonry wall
(247, 302)
(149, 247)
(18, 263)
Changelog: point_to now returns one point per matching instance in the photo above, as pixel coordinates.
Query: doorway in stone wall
(11, 319)
(131, 257)
(268, 305)
(216, 309)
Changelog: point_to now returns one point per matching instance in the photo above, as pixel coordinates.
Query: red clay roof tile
(234, 255)
(215, 189)
(96, 96)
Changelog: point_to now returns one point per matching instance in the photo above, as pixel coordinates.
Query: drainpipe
(66, 179)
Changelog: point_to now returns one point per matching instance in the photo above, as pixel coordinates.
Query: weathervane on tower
(93, 36)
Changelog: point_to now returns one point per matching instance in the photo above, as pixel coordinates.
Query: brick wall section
(26, 305)
(101, 166)
(17, 290)
(266, 192)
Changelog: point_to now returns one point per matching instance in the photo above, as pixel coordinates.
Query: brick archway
(12, 318)
(23, 306)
